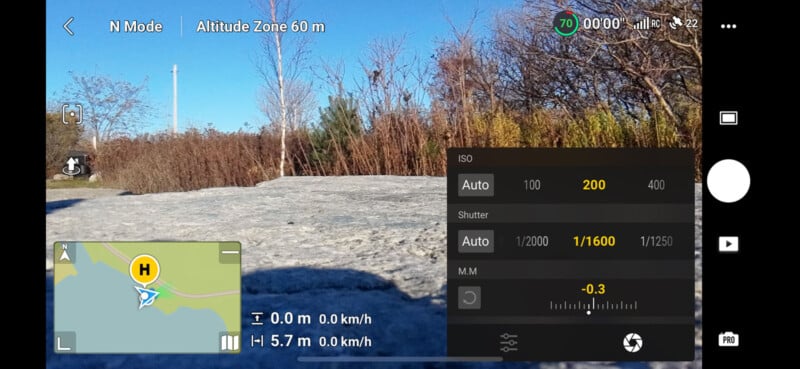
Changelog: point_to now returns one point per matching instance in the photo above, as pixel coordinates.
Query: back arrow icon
(66, 26)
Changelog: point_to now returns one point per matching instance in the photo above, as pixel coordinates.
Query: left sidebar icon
(66, 26)
(71, 113)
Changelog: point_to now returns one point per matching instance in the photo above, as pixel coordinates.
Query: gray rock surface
(371, 244)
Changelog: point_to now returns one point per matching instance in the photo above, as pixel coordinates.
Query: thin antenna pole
(174, 99)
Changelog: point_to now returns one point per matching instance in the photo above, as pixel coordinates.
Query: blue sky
(218, 81)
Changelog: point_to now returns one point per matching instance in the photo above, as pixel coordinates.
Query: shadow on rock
(398, 324)
(52, 206)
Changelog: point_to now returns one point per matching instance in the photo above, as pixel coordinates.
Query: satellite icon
(676, 22)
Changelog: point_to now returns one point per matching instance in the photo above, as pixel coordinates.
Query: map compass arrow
(146, 297)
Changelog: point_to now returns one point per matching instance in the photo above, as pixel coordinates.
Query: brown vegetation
(522, 86)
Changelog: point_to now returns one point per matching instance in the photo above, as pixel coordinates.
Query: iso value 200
(602, 23)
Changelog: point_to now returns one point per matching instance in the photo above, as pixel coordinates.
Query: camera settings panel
(571, 254)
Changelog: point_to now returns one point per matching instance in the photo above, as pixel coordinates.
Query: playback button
(729, 244)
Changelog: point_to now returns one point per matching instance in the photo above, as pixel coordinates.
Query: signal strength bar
(648, 23)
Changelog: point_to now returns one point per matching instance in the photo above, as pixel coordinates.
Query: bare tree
(659, 62)
(332, 72)
(110, 108)
(391, 99)
(298, 100)
(275, 47)
(395, 79)
(466, 79)
(626, 71)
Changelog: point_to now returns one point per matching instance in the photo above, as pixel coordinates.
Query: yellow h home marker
(144, 269)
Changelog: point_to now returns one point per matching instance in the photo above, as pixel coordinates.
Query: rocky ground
(310, 245)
